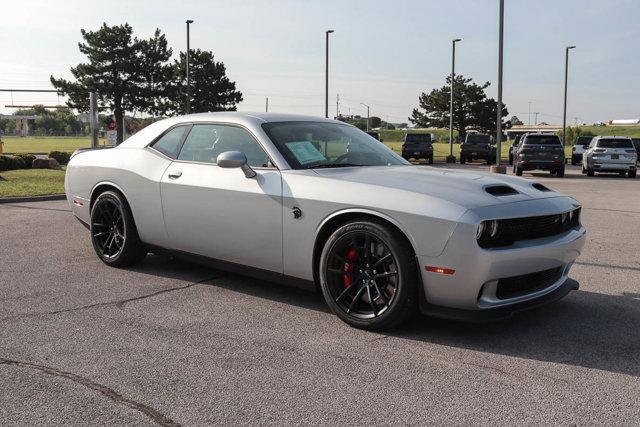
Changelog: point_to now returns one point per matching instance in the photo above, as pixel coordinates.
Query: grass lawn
(45, 144)
(31, 182)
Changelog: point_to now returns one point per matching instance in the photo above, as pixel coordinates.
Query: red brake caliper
(352, 257)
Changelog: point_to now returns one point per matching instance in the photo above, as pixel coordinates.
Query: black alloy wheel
(368, 275)
(113, 231)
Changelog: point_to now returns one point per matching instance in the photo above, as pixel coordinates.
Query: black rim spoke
(362, 275)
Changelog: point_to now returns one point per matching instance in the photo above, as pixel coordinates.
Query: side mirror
(235, 159)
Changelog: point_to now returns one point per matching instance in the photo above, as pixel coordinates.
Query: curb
(32, 198)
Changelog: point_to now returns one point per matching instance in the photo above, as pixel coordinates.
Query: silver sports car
(318, 202)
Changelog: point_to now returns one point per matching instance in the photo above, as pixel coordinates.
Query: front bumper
(477, 271)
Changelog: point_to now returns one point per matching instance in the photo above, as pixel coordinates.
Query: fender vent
(500, 190)
(540, 187)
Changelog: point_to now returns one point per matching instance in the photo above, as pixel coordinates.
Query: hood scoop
(500, 190)
(540, 187)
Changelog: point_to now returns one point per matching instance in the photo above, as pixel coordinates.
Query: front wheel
(113, 231)
(518, 171)
(462, 160)
(431, 160)
(560, 173)
(632, 174)
(368, 275)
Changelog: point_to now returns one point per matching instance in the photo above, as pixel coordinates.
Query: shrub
(8, 163)
(61, 156)
(28, 160)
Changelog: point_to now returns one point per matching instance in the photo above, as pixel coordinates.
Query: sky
(383, 53)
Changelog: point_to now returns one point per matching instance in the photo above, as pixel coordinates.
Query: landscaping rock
(47, 163)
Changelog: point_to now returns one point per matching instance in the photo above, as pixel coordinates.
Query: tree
(471, 107)
(126, 73)
(211, 89)
(515, 121)
(573, 133)
(374, 122)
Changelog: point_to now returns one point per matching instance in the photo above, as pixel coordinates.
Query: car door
(218, 212)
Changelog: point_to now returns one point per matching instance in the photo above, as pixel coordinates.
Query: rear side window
(169, 143)
(615, 143)
(542, 140)
(584, 141)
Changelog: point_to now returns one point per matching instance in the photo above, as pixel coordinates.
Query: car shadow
(585, 329)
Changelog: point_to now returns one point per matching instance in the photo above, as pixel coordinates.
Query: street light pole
(498, 168)
(566, 74)
(326, 74)
(189, 21)
(367, 115)
(451, 158)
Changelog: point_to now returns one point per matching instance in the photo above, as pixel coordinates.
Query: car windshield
(478, 139)
(309, 145)
(418, 137)
(584, 141)
(542, 140)
(615, 143)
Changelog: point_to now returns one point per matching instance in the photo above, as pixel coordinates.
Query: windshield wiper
(334, 165)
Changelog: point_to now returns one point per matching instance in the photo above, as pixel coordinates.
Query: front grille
(511, 287)
(535, 227)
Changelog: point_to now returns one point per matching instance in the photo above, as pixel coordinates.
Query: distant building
(625, 122)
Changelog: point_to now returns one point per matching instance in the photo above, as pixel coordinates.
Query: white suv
(582, 143)
(610, 154)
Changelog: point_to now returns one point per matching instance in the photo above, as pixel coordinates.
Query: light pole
(189, 21)
(498, 168)
(451, 158)
(529, 123)
(326, 74)
(566, 74)
(367, 115)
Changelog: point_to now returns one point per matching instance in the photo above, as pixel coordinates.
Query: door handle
(175, 174)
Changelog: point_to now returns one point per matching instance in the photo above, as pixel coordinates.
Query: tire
(518, 171)
(113, 231)
(622, 174)
(431, 160)
(590, 171)
(584, 171)
(560, 173)
(510, 159)
(632, 174)
(376, 303)
(462, 160)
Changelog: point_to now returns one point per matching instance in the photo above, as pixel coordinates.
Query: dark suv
(636, 144)
(477, 146)
(375, 135)
(539, 151)
(581, 145)
(418, 146)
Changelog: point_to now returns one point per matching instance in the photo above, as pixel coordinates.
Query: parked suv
(514, 147)
(375, 135)
(418, 146)
(636, 143)
(539, 151)
(581, 145)
(477, 146)
(610, 154)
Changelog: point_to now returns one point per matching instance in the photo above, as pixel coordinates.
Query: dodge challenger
(317, 202)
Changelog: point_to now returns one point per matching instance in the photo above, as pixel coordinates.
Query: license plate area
(615, 157)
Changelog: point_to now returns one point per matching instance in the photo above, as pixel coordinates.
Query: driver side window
(205, 142)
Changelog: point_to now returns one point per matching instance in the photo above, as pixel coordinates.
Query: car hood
(466, 189)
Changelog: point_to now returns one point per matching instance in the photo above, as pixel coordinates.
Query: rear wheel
(632, 174)
(430, 160)
(518, 171)
(510, 159)
(462, 160)
(113, 231)
(560, 172)
(368, 275)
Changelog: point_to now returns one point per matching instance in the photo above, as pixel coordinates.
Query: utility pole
(536, 122)
(266, 105)
(326, 75)
(367, 115)
(498, 168)
(337, 105)
(93, 118)
(529, 123)
(189, 21)
(451, 158)
(566, 74)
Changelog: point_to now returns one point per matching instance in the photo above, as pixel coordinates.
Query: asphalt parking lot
(171, 343)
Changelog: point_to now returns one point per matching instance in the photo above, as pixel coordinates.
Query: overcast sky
(383, 52)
